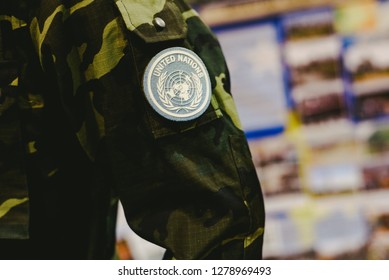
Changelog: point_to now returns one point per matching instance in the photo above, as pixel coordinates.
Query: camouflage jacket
(187, 186)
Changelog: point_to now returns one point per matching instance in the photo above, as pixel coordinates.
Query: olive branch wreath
(169, 105)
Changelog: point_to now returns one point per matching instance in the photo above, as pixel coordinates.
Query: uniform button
(159, 23)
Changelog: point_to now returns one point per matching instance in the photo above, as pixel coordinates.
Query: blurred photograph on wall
(276, 161)
(289, 235)
(312, 53)
(378, 244)
(366, 60)
(254, 60)
(341, 232)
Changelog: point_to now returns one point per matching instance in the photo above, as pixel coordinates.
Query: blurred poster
(378, 244)
(276, 162)
(376, 174)
(254, 60)
(376, 164)
(312, 52)
(332, 158)
(353, 17)
(289, 235)
(382, 12)
(366, 59)
(341, 232)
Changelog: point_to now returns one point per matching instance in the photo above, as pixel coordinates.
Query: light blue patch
(177, 85)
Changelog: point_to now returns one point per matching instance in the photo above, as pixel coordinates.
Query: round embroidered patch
(177, 85)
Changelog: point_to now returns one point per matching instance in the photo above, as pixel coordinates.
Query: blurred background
(311, 83)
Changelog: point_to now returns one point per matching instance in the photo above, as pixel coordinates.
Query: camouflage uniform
(188, 186)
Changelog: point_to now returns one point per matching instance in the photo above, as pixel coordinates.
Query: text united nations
(177, 58)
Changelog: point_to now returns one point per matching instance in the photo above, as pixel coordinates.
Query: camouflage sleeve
(14, 211)
(189, 186)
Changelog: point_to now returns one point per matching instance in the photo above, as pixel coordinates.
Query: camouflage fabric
(190, 187)
(14, 210)
(55, 203)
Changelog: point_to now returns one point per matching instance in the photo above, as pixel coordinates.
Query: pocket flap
(153, 20)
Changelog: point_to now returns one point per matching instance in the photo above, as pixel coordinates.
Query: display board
(312, 88)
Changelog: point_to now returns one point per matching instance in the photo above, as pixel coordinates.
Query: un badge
(177, 85)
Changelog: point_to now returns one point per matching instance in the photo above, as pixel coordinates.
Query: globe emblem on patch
(177, 85)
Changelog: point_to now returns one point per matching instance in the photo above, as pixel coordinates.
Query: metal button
(159, 23)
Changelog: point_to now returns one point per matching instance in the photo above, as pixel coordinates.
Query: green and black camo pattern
(190, 187)
(14, 210)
